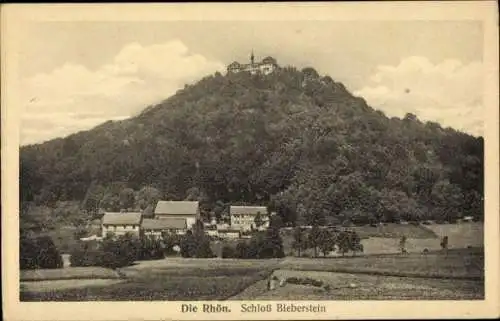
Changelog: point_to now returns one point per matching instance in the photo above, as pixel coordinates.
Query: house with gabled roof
(121, 223)
(156, 227)
(187, 210)
(243, 217)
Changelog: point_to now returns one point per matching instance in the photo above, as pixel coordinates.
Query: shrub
(305, 281)
(86, 254)
(39, 252)
(111, 253)
(169, 242)
(151, 249)
(242, 250)
(203, 249)
(119, 252)
(444, 243)
(263, 245)
(195, 246)
(228, 252)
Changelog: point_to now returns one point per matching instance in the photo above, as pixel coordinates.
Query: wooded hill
(293, 140)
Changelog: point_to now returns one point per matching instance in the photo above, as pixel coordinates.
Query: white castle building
(266, 66)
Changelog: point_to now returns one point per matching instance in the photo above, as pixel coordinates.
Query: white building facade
(267, 66)
(243, 217)
(120, 224)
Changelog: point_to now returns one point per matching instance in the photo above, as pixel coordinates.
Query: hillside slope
(293, 140)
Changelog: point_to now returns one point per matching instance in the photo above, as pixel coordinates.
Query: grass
(173, 288)
(164, 280)
(345, 286)
(90, 272)
(460, 236)
(58, 285)
(460, 263)
(391, 230)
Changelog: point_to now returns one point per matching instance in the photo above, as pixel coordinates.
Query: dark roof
(176, 207)
(164, 224)
(126, 218)
(248, 210)
(269, 60)
(234, 64)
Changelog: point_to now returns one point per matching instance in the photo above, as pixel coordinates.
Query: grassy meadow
(169, 279)
(347, 286)
(463, 263)
(88, 272)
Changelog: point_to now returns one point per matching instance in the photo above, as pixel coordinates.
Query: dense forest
(293, 140)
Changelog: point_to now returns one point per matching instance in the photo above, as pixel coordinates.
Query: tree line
(294, 140)
(326, 240)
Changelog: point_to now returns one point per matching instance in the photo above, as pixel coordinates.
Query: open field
(464, 263)
(460, 235)
(170, 279)
(58, 285)
(157, 287)
(345, 286)
(385, 239)
(90, 272)
(391, 230)
(458, 275)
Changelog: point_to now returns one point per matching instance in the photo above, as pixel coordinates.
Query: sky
(76, 75)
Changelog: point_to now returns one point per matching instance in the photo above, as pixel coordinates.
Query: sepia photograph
(237, 164)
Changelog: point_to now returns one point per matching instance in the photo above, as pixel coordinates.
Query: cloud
(449, 92)
(73, 98)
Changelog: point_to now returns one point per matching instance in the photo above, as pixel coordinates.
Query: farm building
(243, 217)
(155, 227)
(187, 210)
(121, 223)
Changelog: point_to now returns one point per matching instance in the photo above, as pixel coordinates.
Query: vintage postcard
(250, 161)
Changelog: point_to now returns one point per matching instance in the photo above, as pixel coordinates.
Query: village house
(187, 210)
(121, 223)
(154, 228)
(243, 217)
(267, 66)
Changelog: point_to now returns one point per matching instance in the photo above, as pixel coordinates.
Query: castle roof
(234, 64)
(269, 60)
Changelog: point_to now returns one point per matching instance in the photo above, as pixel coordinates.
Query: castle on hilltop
(265, 67)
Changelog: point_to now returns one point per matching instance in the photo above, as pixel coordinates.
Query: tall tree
(299, 240)
(314, 239)
(258, 220)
